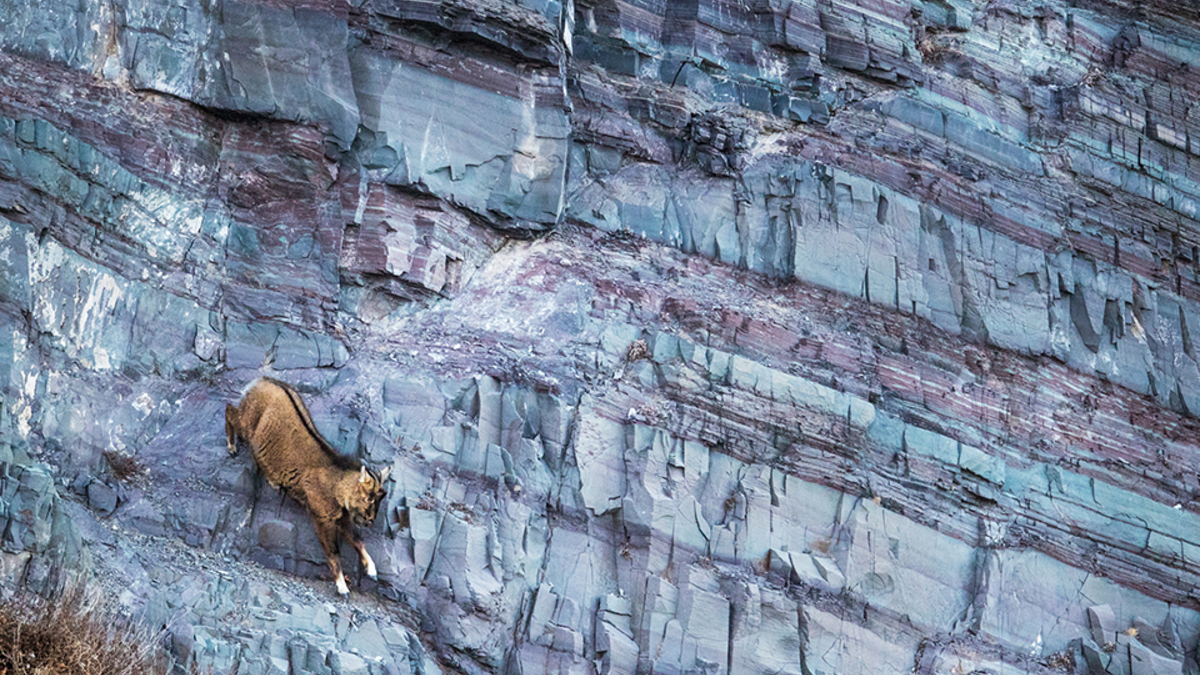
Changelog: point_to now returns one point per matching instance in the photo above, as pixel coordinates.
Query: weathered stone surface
(787, 337)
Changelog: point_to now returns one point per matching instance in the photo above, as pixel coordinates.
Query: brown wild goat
(339, 492)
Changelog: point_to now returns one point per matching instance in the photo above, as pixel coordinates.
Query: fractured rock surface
(702, 336)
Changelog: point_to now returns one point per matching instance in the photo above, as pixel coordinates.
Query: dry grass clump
(638, 349)
(72, 634)
(123, 466)
(1061, 661)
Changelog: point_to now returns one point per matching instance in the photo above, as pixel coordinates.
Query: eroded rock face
(723, 337)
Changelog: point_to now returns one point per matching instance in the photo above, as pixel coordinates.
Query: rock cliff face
(703, 336)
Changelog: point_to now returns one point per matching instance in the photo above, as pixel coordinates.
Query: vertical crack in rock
(802, 642)
(1185, 334)
(1113, 322)
(978, 589)
(729, 642)
(1083, 322)
(969, 317)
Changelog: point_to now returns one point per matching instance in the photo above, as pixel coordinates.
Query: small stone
(101, 497)
(616, 604)
(566, 612)
(367, 639)
(1148, 635)
(1143, 661)
(393, 636)
(1103, 623)
(567, 640)
(207, 343)
(343, 663)
(1168, 637)
(277, 536)
(276, 666)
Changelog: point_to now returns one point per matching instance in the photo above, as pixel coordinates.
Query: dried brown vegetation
(123, 466)
(637, 350)
(1061, 661)
(72, 634)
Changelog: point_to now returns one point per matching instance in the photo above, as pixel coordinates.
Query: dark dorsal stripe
(294, 398)
(339, 459)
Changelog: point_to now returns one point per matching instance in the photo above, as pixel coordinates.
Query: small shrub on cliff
(123, 466)
(73, 634)
(637, 350)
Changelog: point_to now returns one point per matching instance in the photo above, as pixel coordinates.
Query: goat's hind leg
(232, 425)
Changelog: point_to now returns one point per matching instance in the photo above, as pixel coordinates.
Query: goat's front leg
(351, 534)
(327, 534)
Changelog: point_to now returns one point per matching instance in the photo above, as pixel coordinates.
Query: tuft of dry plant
(1061, 661)
(638, 349)
(72, 634)
(937, 49)
(123, 466)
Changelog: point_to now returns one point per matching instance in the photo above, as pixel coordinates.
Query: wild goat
(338, 492)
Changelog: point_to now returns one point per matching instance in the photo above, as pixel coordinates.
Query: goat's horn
(363, 478)
(387, 471)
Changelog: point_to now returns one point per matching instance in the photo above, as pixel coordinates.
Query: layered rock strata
(703, 336)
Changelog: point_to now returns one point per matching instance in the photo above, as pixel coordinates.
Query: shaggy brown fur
(339, 492)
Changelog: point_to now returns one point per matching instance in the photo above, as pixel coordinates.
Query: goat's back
(285, 442)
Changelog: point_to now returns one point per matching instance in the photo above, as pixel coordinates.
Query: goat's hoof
(342, 589)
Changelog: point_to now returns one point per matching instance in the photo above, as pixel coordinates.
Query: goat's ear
(387, 471)
(362, 478)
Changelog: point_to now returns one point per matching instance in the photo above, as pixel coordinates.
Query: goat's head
(368, 493)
